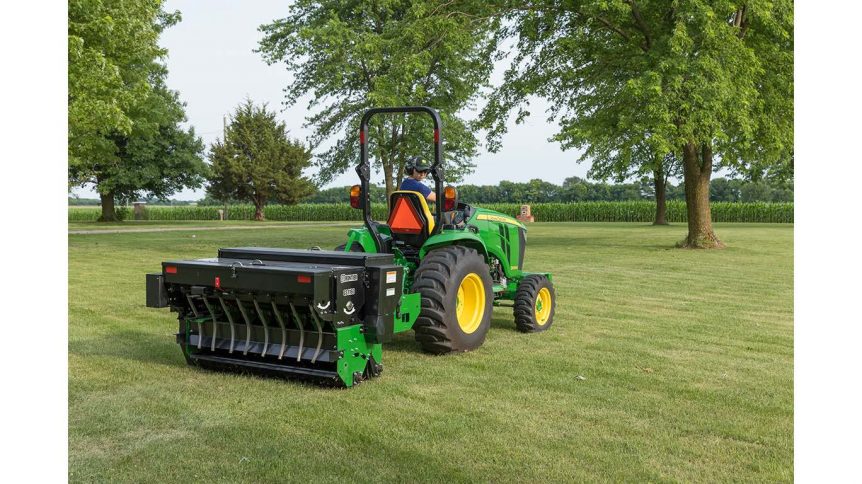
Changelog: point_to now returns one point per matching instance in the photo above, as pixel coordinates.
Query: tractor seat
(410, 219)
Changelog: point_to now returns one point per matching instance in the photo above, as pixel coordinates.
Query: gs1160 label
(349, 278)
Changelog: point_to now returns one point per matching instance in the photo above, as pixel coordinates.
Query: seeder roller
(311, 313)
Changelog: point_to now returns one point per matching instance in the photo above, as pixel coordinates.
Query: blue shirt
(412, 185)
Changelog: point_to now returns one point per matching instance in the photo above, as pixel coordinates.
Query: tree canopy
(125, 126)
(257, 162)
(711, 81)
(348, 56)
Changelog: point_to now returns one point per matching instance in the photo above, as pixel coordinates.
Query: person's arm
(426, 192)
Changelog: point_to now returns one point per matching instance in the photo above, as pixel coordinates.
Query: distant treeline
(573, 189)
(576, 189)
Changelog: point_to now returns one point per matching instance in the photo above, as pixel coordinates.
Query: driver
(417, 170)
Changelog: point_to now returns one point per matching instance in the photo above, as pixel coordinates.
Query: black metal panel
(383, 297)
(232, 274)
(157, 293)
(349, 291)
(362, 259)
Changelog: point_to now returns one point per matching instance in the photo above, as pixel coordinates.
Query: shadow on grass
(161, 349)
(131, 345)
(406, 343)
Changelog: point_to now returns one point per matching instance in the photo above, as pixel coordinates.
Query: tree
(257, 162)
(710, 80)
(124, 124)
(158, 157)
(724, 190)
(354, 55)
(663, 167)
(639, 160)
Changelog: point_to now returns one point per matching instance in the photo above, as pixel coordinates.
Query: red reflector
(448, 204)
(354, 202)
(303, 279)
(361, 137)
(436, 135)
(404, 218)
(170, 269)
(218, 282)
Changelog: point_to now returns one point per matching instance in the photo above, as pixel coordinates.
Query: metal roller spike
(215, 325)
(247, 326)
(319, 335)
(229, 320)
(301, 332)
(283, 329)
(263, 322)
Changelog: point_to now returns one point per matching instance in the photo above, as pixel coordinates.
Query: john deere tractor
(325, 314)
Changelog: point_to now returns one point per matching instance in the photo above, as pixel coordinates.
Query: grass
(687, 358)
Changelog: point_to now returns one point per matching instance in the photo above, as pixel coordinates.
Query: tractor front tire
(457, 299)
(535, 302)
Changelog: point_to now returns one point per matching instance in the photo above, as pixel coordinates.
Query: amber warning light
(450, 199)
(355, 192)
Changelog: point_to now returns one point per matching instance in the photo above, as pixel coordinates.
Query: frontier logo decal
(349, 278)
(497, 218)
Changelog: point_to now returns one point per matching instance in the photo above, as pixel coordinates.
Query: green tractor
(326, 314)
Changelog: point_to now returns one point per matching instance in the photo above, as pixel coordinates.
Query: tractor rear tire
(535, 302)
(448, 323)
(353, 248)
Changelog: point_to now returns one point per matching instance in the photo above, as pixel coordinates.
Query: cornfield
(628, 211)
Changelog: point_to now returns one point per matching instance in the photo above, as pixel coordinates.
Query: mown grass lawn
(687, 358)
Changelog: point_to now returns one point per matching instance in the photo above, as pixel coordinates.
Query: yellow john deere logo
(498, 218)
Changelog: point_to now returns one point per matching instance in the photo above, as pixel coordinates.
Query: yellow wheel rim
(543, 306)
(470, 303)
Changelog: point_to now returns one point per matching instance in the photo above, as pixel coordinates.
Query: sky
(212, 63)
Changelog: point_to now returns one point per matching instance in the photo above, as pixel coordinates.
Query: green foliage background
(353, 55)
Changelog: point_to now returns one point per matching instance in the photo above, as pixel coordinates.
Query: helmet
(416, 163)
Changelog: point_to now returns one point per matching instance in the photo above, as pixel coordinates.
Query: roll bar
(364, 169)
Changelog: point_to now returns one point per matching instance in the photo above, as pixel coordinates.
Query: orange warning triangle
(404, 218)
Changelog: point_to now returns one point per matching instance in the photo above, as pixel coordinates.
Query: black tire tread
(524, 308)
(431, 280)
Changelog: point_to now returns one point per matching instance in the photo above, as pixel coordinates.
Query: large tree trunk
(389, 180)
(109, 213)
(660, 182)
(392, 170)
(258, 209)
(697, 169)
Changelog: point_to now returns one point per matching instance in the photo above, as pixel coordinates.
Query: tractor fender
(465, 238)
(362, 237)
